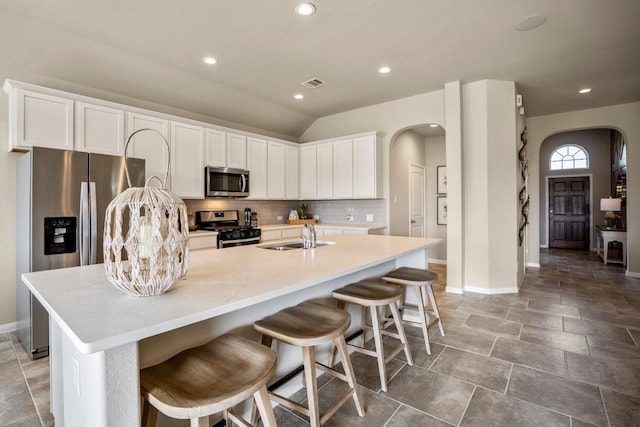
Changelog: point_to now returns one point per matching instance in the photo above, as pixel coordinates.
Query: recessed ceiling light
(531, 22)
(298, 96)
(305, 9)
(433, 125)
(585, 90)
(209, 60)
(384, 70)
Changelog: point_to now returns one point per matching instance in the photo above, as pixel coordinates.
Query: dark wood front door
(569, 208)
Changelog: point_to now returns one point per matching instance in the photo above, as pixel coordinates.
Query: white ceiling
(151, 50)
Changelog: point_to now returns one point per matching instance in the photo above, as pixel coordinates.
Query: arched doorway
(604, 174)
(412, 149)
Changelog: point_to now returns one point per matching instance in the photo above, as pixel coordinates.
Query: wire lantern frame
(146, 236)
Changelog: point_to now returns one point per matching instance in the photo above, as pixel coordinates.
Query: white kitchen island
(100, 337)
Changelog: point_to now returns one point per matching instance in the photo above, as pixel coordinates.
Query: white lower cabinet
(99, 129)
(187, 158)
(201, 240)
(291, 232)
(149, 145)
(269, 235)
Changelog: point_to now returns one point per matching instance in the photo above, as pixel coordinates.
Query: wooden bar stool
(308, 325)
(209, 379)
(375, 293)
(421, 280)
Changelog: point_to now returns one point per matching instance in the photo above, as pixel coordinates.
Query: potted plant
(303, 210)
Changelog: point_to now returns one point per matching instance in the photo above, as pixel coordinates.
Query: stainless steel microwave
(226, 182)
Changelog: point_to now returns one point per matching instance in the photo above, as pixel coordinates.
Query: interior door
(569, 211)
(416, 200)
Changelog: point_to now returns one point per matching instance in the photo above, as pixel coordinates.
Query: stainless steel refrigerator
(61, 198)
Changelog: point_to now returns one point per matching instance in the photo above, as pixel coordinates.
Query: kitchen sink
(287, 246)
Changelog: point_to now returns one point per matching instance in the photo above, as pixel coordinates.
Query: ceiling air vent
(313, 83)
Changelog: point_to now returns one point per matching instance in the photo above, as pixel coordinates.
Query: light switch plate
(369, 217)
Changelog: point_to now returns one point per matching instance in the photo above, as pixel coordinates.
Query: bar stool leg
(341, 344)
(309, 361)
(377, 336)
(424, 320)
(200, 422)
(434, 304)
(149, 414)
(403, 336)
(261, 398)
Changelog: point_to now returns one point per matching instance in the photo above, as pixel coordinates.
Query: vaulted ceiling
(152, 50)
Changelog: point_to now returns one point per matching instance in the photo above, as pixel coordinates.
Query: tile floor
(563, 352)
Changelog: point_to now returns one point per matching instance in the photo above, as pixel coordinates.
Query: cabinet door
(276, 170)
(308, 168)
(215, 148)
(149, 145)
(99, 129)
(40, 121)
(343, 169)
(291, 174)
(187, 168)
(325, 170)
(291, 233)
(236, 151)
(367, 165)
(268, 235)
(257, 165)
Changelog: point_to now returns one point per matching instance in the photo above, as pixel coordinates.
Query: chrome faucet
(308, 236)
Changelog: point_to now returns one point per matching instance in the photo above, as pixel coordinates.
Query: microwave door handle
(84, 224)
(244, 183)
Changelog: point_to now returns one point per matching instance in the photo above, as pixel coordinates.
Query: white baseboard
(451, 290)
(437, 261)
(474, 289)
(632, 274)
(544, 246)
(8, 327)
(533, 264)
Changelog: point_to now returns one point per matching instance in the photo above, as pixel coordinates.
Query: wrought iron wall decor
(523, 196)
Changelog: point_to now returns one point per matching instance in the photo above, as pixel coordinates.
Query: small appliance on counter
(247, 217)
(227, 224)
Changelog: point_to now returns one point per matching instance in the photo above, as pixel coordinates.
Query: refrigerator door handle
(84, 224)
(93, 219)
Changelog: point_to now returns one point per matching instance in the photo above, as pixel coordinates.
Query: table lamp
(611, 206)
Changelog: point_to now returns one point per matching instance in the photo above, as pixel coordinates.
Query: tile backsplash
(329, 211)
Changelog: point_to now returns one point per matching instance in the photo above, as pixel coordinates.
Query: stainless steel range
(227, 224)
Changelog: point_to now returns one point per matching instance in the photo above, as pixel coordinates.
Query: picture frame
(442, 210)
(442, 179)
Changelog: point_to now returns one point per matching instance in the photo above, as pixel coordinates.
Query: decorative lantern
(146, 236)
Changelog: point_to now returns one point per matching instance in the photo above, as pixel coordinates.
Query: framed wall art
(442, 210)
(442, 179)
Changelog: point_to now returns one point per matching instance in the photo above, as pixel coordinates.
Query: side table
(606, 235)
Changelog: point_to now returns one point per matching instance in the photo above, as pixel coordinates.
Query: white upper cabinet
(324, 172)
(187, 157)
(99, 129)
(236, 151)
(308, 167)
(215, 148)
(257, 165)
(276, 170)
(149, 145)
(367, 167)
(291, 175)
(39, 120)
(343, 169)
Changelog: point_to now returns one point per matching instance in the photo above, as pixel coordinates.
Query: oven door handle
(236, 242)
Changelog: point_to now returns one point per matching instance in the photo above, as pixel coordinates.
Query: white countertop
(322, 224)
(97, 316)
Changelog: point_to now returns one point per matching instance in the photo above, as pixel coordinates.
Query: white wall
(597, 143)
(435, 155)
(624, 118)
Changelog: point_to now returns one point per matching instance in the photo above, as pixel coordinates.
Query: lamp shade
(610, 204)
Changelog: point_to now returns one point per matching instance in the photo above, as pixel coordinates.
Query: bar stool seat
(209, 379)
(421, 280)
(307, 325)
(375, 293)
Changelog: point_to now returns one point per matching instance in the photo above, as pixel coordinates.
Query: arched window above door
(569, 156)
